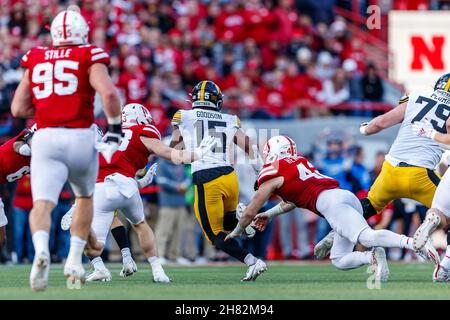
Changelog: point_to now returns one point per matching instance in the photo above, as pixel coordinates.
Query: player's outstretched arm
(179, 156)
(384, 121)
(22, 106)
(262, 219)
(261, 196)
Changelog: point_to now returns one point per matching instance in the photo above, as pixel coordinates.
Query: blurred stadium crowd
(276, 60)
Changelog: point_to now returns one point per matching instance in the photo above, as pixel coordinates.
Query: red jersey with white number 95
(302, 181)
(59, 84)
(132, 154)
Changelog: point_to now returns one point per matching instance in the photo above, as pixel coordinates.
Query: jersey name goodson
(203, 114)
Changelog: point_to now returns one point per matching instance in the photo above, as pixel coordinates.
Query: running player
(216, 184)
(295, 180)
(408, 171)
(58, 88)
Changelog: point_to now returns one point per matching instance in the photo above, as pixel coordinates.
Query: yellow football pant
(403, 182)
(213, 200)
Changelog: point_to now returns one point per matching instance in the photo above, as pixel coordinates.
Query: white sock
(98, 264)
(126, 255)
(353, 260)
(40, 241)
(445, 263)
(250, 260)
(406, 242)
(76, 250)
(379, 238)
(155, 263)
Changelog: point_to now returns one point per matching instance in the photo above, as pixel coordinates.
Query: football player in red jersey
(14, 164)
(58, 88)
(295, 180)
(116, 188)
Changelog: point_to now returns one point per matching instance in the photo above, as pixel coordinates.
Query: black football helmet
(443, 83)
(207, 95)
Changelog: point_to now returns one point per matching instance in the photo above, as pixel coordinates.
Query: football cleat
(99, 275)
(160, 276)
(323, 247)
(380, 264)
(255, 270)
(128, 269)
(440, 274)
(39, 272)
(75, 275)
(66, 220)
(428, 252)
(423, 233)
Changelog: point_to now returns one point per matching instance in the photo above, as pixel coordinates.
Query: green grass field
(281, 281)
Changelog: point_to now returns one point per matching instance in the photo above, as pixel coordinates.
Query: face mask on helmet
(69, 28)
(135, 113)
(277, 148)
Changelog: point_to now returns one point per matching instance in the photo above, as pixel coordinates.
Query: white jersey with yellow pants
(216, 184)
(408, 171)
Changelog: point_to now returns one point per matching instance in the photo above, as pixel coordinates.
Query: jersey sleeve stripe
(268, 173)
(25, 58)
(99, 56)
(154, 130)
(96, 50)
(269, 168)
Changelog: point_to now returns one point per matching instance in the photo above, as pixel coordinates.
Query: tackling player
(408, 171)
(116, 188)
(295, 180)
(118, 231)
(14, 164)
(216, 184)
(58, 88)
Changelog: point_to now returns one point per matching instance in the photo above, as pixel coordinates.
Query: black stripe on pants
(204, 214)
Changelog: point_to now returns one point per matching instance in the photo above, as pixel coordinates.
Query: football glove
(424, 129)
(207, 144)
(148, 177)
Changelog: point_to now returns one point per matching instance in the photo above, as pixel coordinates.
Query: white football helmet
(277, 148)
(135, 113)
(69, 28)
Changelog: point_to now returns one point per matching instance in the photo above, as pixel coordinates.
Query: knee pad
(338, 263)
(368, 208)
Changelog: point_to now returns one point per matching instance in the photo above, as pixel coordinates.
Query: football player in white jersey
(216, 184)
(409, 168)
(439, 213)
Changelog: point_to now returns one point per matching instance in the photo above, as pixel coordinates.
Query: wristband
(275, 211)
(115, 124)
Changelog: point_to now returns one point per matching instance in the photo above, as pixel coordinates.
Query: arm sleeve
(25, 61)
(98, 55)
(267, 173)
(150, 131)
